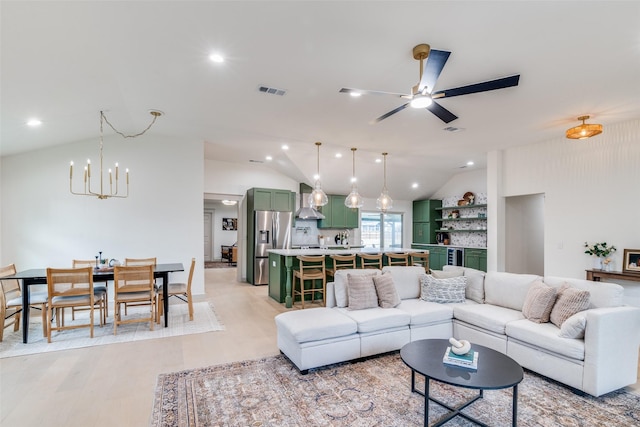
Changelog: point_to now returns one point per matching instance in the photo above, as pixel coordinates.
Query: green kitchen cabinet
(337, 215)
(424, 220)
(475, 258)
(437, 257)
(268, 199)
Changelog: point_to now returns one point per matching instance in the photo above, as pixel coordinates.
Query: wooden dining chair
(311, 270)
(69, 287)
(11, 302)
(397, 259)
(181, 291)
(100, 290)
(133, 285)
(341, 262)
(370, 260)
(136, 262)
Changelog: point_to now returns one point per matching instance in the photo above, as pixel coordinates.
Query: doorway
(524, 234)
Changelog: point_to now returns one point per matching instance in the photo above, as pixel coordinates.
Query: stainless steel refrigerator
(272, 231)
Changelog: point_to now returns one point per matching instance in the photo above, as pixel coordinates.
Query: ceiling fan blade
(479, 87)
(435, 63)
(442, 113)
(372, 92)
(390, 113)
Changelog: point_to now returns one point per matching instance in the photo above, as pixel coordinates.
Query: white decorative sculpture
(459, 347)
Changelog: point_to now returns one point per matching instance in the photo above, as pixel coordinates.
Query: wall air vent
(271, 90)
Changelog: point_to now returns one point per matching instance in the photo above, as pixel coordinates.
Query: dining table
(38, 276)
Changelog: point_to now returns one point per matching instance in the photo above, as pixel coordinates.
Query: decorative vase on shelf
(597, 263)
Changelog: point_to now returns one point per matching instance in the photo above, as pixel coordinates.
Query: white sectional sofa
(603, 360)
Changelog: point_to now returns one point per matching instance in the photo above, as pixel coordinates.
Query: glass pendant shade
(318, 197)
(384, 202)
(354, 200)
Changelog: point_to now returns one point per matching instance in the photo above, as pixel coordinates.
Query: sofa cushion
(386, 290)
(361, 292)
(407, 280)
(447, 274)
(545, 336)
(340, 283)
(377, 319)
(603, 294)
(423, 313)
(539, 302)
(570, 301)
(475, 282)
(315, 324)
(574, 326)
(507, 290)
(490, 317)
(451, 290)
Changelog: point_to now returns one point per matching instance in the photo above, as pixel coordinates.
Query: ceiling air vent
(452, 129)
(271, 90)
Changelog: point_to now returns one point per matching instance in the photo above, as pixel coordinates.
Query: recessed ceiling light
(414, 185)
(215, 57)
(378, 160)
(355, 94)
(269, 158)
(338, 155)
(34, 122)
(285, 147)
(470, 163)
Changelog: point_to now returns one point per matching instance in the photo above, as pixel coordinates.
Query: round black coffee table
(495, 371)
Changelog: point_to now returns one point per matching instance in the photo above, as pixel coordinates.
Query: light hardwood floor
(113, 385)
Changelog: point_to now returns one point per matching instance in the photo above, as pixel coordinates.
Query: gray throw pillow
(361, 292)
(386, 290)
(451, 290)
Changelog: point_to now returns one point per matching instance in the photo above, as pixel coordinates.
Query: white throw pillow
(451, 290)
(574, 326)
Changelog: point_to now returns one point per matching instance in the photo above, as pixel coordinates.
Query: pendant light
(353, 200)
(584, 131)
(384, 202)
(318, 197)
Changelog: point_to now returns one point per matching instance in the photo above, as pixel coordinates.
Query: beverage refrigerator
(272, 231)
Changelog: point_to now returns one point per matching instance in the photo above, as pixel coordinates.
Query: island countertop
(340, 251)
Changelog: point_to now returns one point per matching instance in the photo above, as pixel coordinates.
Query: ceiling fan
(422, 94)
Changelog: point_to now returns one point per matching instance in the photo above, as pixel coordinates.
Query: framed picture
(229, 224)
(631, 261)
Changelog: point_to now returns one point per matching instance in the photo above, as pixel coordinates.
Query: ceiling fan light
(421, 101)
(584, 131)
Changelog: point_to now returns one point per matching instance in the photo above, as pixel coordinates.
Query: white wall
(474, 180)
(44, 225)
(591, 194)
(524, 234)
(236, 179)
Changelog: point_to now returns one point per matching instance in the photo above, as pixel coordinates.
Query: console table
(598, 275)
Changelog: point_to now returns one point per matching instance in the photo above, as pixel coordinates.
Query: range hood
(306, 211)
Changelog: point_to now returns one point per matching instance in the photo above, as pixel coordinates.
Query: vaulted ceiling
(63, 62)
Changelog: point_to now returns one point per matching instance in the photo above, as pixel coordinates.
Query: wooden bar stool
(341, 262)
(370, 261)
(421, 259)
(398, 259)
(312, 269)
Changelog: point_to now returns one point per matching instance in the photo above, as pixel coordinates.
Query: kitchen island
(282, 262)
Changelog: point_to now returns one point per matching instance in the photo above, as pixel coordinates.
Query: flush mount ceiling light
(317, 196)
(584, 131)
(384, 202)
(101, 194)
(353, 200)
(229, 202)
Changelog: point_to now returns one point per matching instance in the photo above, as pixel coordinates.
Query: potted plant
(601, 251)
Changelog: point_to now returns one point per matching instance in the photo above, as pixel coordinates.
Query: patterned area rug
(375, 392)
(204, 320)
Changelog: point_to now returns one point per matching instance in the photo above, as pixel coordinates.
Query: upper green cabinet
(268, 199)
(425, 210)
(337, 215)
